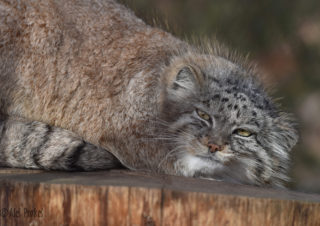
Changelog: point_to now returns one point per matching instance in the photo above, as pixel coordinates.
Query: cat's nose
(214, 148)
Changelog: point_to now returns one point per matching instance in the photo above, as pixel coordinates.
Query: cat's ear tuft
(285, 131)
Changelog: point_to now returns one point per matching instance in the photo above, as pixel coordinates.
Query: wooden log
(120, 197)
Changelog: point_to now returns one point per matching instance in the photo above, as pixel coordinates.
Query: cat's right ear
(185, 81)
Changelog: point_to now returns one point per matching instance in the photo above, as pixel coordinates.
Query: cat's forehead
(236, 87)
(231, 105)
(237, 104)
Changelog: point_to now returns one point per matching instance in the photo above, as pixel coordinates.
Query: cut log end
(121, 197)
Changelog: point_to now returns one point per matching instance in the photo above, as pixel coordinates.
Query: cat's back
(100, 32)
(71, 60)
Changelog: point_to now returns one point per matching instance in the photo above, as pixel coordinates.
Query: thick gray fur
(82, 71)
(233, 99)
(36, 145)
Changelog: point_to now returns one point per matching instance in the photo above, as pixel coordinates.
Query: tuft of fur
(91, 70)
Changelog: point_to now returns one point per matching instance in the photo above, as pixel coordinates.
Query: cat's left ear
(285, 131)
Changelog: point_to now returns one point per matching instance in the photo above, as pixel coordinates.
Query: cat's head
(220, 123)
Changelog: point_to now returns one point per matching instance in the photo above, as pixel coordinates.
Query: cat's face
(224, 126)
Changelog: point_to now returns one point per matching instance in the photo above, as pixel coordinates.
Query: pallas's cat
(87, 85)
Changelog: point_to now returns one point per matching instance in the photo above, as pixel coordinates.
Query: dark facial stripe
(268, 152)
(252, 154)
(198, 125)
(259, 170)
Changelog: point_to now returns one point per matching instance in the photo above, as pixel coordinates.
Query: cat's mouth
(222, 156)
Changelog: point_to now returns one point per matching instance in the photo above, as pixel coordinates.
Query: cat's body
(153, 101)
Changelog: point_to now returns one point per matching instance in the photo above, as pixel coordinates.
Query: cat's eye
(203, 115)
(242, 132)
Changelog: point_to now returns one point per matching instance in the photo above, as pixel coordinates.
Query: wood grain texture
(137, 198)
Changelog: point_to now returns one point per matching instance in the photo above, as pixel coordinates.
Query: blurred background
(281, 36)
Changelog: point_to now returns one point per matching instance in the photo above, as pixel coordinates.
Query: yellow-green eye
(203, 115)
(243, 132)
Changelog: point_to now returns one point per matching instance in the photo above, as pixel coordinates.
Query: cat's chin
(209, 168)
(191, 165)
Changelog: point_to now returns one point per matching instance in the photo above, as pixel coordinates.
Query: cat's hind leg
(36, 145)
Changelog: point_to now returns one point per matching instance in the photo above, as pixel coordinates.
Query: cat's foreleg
(36, 145)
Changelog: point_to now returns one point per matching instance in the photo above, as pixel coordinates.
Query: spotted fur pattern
(233, 99)
(85, 84)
